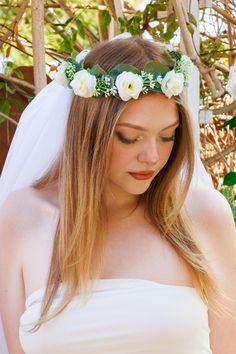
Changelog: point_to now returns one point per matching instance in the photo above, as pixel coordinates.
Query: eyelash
(124, 139)
(129, 141)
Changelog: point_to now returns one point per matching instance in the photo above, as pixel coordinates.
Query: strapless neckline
(116, 283)
(123, 315)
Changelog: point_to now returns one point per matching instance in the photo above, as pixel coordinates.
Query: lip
(142, 175)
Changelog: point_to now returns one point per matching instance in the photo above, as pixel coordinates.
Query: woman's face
(142, 143)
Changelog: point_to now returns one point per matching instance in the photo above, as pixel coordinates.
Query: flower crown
(125, 81)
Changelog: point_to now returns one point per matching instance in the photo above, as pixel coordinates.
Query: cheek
(120, 157)
(165, 151)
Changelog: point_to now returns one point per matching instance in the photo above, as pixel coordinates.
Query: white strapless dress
(123, 316)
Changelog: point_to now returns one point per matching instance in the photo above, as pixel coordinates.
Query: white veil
(37, 142)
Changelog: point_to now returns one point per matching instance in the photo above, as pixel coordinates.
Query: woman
(105, 253)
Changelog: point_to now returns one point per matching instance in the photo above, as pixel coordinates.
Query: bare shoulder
(26, 208)
(215, 232)
(24, 251)
(209, 211)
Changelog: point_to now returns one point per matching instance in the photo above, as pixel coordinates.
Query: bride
(106, 243)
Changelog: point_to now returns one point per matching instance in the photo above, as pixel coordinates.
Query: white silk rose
(129, 85)
(82, 55)
(84, 84)
(60, 76)
(172, 84)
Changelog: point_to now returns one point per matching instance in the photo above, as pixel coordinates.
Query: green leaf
(106, 19)
(156, 67)
(231, 122)
(2, 84)
(167, 36)
(10, 90)
(63, 24)
(172, 27)
(4, 106)
(19, 73)
(66, 44)
(161, 7)
(17, 104)
(80, 27)
(74, 35)
(171, 17)
(190, 28)
(97, 71)
(192, 19)
(123, 67)
(230, 179)
(2, 120)
(228, 193)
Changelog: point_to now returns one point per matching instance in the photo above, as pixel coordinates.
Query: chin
(137, 190)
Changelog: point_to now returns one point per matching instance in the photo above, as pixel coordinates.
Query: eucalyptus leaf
(97, 71)
(156, 67)
(123, 67)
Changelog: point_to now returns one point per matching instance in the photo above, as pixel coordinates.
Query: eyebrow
(138, 127)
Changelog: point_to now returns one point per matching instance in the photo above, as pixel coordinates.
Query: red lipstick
(142, 175)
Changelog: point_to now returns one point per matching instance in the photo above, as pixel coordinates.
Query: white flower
(231, 85)
(187, 61)
(186, 66)
(129, 85)
(172, 83)
(60, 76)
(3, 63)
(81, 56)
(84, 84)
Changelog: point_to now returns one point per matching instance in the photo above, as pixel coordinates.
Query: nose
(149, 155)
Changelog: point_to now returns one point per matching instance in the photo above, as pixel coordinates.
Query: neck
(120, 204)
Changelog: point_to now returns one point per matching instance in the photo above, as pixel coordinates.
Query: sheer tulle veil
(37, 142)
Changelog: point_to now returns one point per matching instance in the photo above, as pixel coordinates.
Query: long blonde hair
(81, 175)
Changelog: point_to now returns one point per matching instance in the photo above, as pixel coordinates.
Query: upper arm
(11, 282)
(216, 234)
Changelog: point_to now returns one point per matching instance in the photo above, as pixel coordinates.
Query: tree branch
(12, 27)
(13, 121)
(17, 81)
(224, 13)
(91, 37)
(211, 79)
(219, 155)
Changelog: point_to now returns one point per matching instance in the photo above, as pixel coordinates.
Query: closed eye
(171, 138)
(125, 140)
